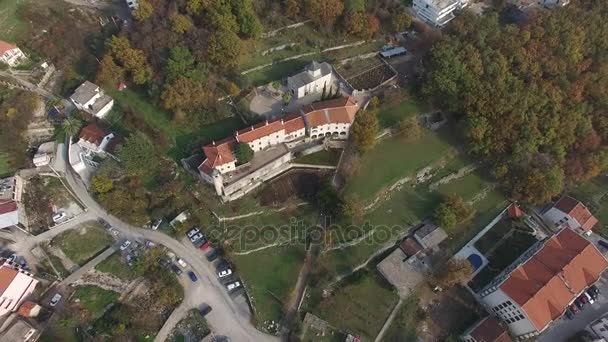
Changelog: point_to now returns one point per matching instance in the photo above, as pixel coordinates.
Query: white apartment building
(10, 54)
(312, 80)
(437, 12)
(90, 98)
(538, 288)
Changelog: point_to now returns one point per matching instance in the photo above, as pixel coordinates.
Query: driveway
(227, 318)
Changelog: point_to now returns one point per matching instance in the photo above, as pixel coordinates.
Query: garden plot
(372, 77)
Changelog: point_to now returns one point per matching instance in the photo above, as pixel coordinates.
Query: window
(509, 302)
(521, 317)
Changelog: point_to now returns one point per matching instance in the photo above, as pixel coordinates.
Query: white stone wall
(12, 57)
(267, 141)
(103, 111)
(295, 135)
(321, 131)
(258, 175)
(226, 167)
(436, 16)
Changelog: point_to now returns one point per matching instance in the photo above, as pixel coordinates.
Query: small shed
(429, 235)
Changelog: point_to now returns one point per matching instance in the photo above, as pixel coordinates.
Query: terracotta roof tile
(293, 122)
(8, 207)
(6, 46)
(258, 131)
(219, 153)
(93, 133)
(514, 211)
(546, 283)
(577, 211)
(490, 330)
(410, 247)
(7, 275)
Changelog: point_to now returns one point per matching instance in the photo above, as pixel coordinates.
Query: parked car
(150, 244)
(594, 289)
(197, 237)
(579, 303)
(182, 263)
(198, 243)
(55, 300)
(589, 297)
(233, 285)
(192, 276)
(175, 269)
(212, 255)
(192, 232)
(164, 263)
(204, 246)
(104, 223)
(573, 308)
(569, 314)
(592, 294)
(60, 216)
(156, 224)
(224, 273)
(12, 258)
(603, 243)
(125, 245)
(205, 309)
(583, 299)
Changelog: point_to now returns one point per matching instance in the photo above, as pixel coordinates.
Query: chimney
(281, 121)
(213, 142)
(266, 122)
(251, 128)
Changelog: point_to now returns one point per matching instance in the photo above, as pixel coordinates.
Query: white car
(196, 237)
(55, 300)
(12, 258)
(156, 224)
(125, 245)
(182, 263)
(192, 232)
(234, 285)
(224, 273)
(60, 216)
(591, 301)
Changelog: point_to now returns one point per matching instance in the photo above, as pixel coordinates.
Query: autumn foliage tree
(454, 272)
(364, 130)
(325, 12)
(133, 60)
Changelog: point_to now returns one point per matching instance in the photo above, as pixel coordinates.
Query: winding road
(227, 317)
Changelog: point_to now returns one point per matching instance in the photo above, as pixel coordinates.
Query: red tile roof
(490, 330)
(410, 247)
(7, 275)
(8, 207)
(293, 122)
(259, 130)
(217, 154)
(93, 133)
(514, 211)
(6, 46)
(546, 283)
(577, 211)
(341, 110)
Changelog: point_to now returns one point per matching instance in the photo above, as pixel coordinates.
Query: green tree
(184, 94)
(325, 12)
(445, 216)
(138, 155)
(454, 272)
(292, 8)
(452, 212)
(196, 6)
(101, 185)
(401, 20)
(133, 60)
(243, 153)
(71, 126)
(249, 24)
(144, 10)
(180, 62)
(352, 6)
(109, 75)
(409, 128)
(181, 23)
(364, 130)
(287, 98)
(224, 49)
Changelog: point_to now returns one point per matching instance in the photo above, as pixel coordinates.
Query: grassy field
(94, 299)
(5, 169)
(10, 26)
(390, 116)
(406, 322)
(269, 277)
(115, 266)
(82, 244)
(325, 157)
(397, 160)
(359, 307)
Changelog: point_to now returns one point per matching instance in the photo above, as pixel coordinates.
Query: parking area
(564, 328)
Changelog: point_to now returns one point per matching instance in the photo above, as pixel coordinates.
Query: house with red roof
(10, 54)
(272, 142)
(573, 213)
(16, 285)
(94, 140)
(487, 329)
(538, 287)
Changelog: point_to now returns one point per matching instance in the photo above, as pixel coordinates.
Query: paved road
(88, 266)
(227, 318)
(62, 227)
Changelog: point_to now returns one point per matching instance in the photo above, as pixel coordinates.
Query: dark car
(569, 314)
(579, 303)
(175, 269)
(212, 255)
(573, 308)
(594, 289)
(583, 298)
(592, 294)
(205, 309)
(163, 263)
(603, 243)
(198, 243)
(192, 276)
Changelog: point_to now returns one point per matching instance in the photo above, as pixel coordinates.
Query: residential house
(90, 98)
(403, 272)
(312, 80)
(600, 327)
(410, 247)
(437, 12)
(94, 141)
(16, 284)
(538, 287)
(487, 329)
(10, 54)
(16, 329)
(11, 213)
(429, 235)
(44, 154)
(271, 142)
(573, 213)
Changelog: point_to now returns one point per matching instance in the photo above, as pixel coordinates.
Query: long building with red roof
(545, 281)
(313, 122)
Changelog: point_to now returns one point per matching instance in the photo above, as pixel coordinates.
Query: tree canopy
(243, 153)
(533, 98)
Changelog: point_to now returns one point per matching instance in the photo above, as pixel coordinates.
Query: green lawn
(94, 299)
(593, 194)
(5, 169)
(280, 70)
(393, 159)
(359, 307)
(403, 328)
(466, 187)
(390, 116)
(115, 266)
(269, 277)
(82, 244)
(325, 157)
(10, 26)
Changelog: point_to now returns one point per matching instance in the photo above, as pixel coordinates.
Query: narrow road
(389, 320)
(60, 228)
(226, 318)
(88, 266)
